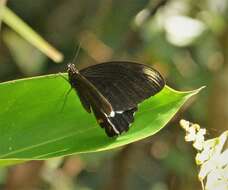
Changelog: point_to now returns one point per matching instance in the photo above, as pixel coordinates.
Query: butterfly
(113, 90)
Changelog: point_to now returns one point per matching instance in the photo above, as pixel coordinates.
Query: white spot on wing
(119, 111)
(112, 114)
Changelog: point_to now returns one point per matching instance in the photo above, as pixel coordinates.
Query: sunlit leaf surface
(34, 124)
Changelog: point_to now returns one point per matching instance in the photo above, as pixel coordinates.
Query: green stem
(18, 25)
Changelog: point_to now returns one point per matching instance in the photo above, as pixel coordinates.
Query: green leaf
(35, 125)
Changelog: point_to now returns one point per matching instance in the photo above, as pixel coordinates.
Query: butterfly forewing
(89, 95)
(84, 97)
(124, 84)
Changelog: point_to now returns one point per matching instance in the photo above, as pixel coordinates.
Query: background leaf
(19, 26)
(33, 124)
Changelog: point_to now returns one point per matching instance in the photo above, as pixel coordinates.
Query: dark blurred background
(187, 41)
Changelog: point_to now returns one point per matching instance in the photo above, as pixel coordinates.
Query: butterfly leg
(65, 98)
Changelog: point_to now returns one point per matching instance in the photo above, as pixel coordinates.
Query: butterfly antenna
(76, 52)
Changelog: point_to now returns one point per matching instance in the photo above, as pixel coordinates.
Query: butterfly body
(113, 91)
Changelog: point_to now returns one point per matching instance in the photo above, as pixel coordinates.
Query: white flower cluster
(212, 156)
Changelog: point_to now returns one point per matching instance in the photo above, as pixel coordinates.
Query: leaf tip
(194, 92)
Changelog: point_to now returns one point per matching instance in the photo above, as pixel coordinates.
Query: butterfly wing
(91, 99)
(116, 87)
(115, 125)
(83, 96)
(124, 84)
(89, 95)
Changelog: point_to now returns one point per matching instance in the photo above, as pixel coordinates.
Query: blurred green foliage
(186, 40)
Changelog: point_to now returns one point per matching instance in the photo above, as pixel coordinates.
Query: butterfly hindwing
(115, 125)
(123, 120)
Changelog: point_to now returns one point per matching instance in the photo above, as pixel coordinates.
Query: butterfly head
(71, 69)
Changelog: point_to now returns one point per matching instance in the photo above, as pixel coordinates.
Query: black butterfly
(113, 90)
